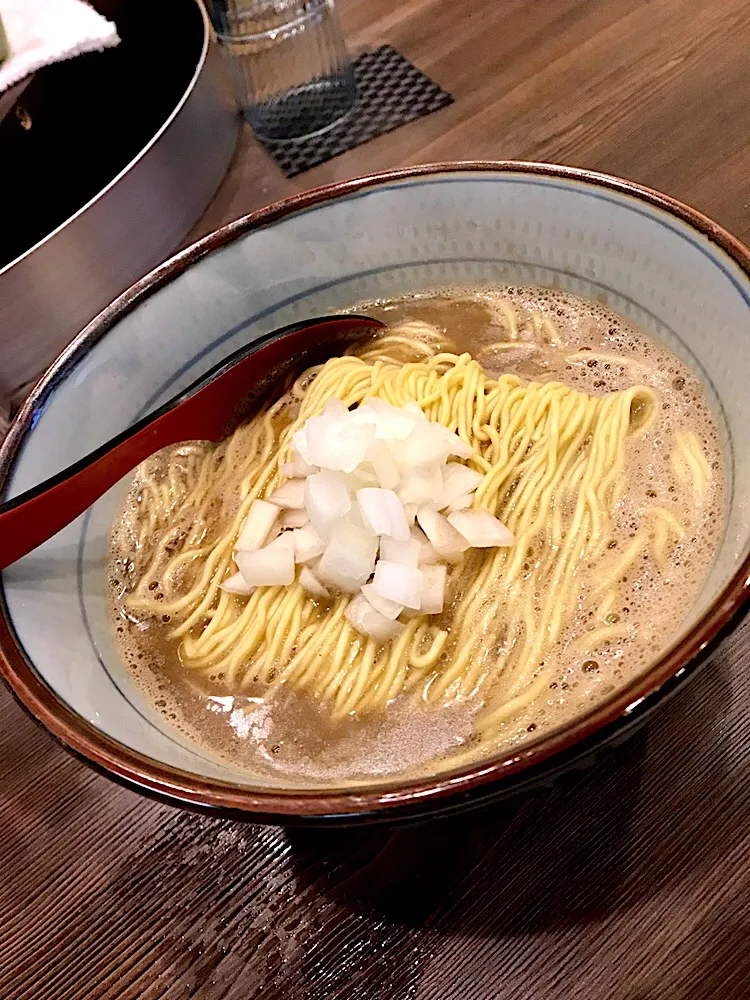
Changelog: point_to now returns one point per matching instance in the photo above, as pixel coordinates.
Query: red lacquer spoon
(206, 410)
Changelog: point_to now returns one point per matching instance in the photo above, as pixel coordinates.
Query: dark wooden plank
(629, 882)
(658, 92)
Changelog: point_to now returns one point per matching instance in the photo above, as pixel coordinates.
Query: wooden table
(630, 882)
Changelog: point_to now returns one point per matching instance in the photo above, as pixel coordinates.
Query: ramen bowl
(673, 272)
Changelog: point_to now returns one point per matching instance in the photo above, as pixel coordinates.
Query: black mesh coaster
(391, 92)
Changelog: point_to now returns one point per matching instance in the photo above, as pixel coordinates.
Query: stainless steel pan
(106, 162)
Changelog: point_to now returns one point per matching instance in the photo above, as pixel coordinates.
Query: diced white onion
(360, 479)
(366, 620)
(297, 467)
(272, 566)
(433, 589)
(413, 407)
(410, 509)
(334, 441)
(392, 423)
(427, 554)
(405, 553)
(294, 518)
(299, 444)
(236, 585)
(379, 456)
(258, 524)
(355, 517)
(395, 461)
(422, 486)
(398, 583)
(425, 446)
(335, 408)
(462, 503)
(389, 609)
(459, 480)
(383, 513)
(349, 557)
(446, 540)
(327, 500)
(309, 582)
(308, 544)
(283, 541)
(290, 495)
(418, 535)
(455, 445)
(480, 529)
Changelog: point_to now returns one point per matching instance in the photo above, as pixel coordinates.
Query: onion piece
(392, 423)
(308, 544)
(335, 408)
(258, 525)
(295, 518)
(327, 500)
(412, 406)
(382, 513)
(458, 481)
(389, 609)
(398, 583)
(309, 582)
(481, 529)
(297, 467)
(290, 495)
(272, 566)
(299, 444)
(454, 444)
(360, 479)
(462, 503)
(349, 557)
(355, 517)
(445, 539)
(405, 553)
(236, 585)
(366, 620)
(334, 441)
(410, 509)
(425, 446)
(417, 535)
(422, 486)
(386, 470)
(433, 589)
(427, 554)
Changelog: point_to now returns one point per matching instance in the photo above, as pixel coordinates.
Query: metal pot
(108, 161)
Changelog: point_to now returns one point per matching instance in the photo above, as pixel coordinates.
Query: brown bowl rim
(397, 797)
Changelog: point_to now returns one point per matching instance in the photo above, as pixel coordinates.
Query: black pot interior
(79, 123)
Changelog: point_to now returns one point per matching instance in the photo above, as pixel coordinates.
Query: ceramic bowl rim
(399, 797)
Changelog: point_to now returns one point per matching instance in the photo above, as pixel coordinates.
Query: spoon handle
(41, 512)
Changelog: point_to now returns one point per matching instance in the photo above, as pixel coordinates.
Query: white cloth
(47, 31)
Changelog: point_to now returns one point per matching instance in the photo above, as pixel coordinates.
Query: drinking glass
(289, 64)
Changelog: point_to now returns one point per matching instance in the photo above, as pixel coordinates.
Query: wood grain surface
(629, 882)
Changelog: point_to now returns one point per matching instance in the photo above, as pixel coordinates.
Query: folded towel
(47, 31)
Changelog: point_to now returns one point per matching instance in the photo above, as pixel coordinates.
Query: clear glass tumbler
(289, 63)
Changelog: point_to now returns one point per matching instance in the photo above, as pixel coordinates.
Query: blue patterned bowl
(675, 273)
